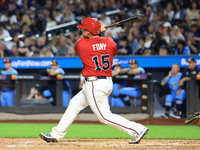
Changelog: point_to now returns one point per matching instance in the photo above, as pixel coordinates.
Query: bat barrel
(134, 18)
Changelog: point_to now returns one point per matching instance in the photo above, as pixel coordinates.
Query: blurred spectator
(25, 20)
(196, 32)
(184, 28)
(33, 26)
(182, 48)
(179, 12)
(141, 46)
(41, 43)
(32, 12)
(11, 13)
(3, 35)
(156, 22)
(53, 45)
(149, 12)
(35, 92)
(63, 48)
(46, 12)
(40, 22)
(33, 41)
(124, 48)
(169, 11)
(35, 53)
(176, 35)
(192, 44)
(193, 11)
(57, 15)
(133, 43)
(94, 10)
(120, 35)
(123, 14)
(49, 6)
(148, 41)
(17, 41)
(136, 33)
(15, 51)
(133, 11)
(157, 42)
(15, 29)
(107, 6)
(166, 35)
(163, 50)
(71, 52)
(67, 15)
(150, 30)
(50, 22)
(44, 52)
(147, 52)
(36, 5)
(104, 19)
(4, 52)
(27, 31)
(81, 13)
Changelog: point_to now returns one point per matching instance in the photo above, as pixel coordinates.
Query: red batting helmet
(90, 24)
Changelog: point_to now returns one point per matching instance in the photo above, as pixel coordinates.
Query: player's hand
(170, 73)
(178, 92)
(103, 28)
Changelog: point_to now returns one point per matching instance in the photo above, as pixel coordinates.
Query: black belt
(103, 77)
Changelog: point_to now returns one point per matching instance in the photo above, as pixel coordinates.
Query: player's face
(133, 66)
(85, 33)
(54, 67)
(7, 65)
(191, 65)
(175, 69)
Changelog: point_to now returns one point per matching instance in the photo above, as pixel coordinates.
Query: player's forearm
(123, 71)
(165, 80)
(134, 72)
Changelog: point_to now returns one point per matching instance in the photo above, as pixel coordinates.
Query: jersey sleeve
(61, 71)
(141, 69)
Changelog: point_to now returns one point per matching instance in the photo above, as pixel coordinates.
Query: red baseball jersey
(96, 55)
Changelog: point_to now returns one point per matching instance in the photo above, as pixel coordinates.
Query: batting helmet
(91, 24)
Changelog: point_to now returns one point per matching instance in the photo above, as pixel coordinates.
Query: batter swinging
(96, 54)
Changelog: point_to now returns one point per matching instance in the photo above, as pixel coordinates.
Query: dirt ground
(101, 144)
(94, 144)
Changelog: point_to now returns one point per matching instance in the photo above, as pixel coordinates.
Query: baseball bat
(131, 19)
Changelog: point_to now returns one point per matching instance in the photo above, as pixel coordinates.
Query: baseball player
(96, 54)
(181, 93)
(50, 92)
(172, 81)
(121, 93)
(7, 87)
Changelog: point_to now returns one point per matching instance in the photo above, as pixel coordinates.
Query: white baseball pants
(94, 93)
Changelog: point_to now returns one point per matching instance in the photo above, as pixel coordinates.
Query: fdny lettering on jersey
(100, 46)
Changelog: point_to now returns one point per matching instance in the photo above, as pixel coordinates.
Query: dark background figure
(50, 91)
